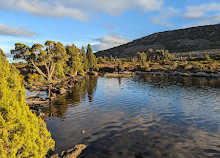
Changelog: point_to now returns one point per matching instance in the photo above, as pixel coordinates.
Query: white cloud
(16, 31)
(107, 42)
(164, 16)
(44, 8)
(199, 11)
(79, 9)
(116, 7)
(203, 14)
(204, 21)
(150, 5)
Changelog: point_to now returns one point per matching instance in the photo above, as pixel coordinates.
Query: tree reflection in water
(80, 92)
(179, 80)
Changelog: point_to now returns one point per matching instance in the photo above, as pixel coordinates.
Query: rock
(201, 74)
(71, 153)
(74, 152)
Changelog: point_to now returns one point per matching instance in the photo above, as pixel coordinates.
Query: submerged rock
(71, 153)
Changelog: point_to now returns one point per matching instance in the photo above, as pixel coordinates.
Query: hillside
(176, 41)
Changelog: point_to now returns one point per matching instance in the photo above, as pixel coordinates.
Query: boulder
(71, 153)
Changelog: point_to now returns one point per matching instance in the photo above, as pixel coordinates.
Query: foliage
(84, 59)
(37, 55)
(59, 71)
(162, 60)
(32, 78)
(22, 133)
(74, 63)
(92, 61)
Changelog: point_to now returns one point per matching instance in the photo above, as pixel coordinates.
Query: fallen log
(31, 103)
(30, 97)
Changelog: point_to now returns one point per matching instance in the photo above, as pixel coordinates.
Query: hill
(176, 41)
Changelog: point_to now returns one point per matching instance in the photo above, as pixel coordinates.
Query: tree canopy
(22, 133)
(92, 61)
(37, 55)
(74, 63)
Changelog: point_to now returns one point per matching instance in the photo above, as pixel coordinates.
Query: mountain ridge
(205, 37)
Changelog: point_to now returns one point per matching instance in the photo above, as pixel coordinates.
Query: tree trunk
(38, 70)
(50, 73)
(50, 70)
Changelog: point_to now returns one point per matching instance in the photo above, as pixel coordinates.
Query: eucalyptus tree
(92, 61)
(38, 55)
(74, 63)
(84, 59)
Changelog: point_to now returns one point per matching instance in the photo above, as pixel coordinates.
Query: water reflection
(141, 116)
(80, 92)
(179, 80)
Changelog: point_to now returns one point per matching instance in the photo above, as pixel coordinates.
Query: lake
(141, 116)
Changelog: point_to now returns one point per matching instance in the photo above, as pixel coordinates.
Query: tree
(74, 62)
(112, 60)
(22, 133)
(92, 61)
(119, 67)
(84, 59)
(189, 56)
(37, 56)
(207, 57)
(142, 58)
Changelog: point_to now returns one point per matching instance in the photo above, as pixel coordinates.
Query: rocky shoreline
(185, 74)
(173, 73)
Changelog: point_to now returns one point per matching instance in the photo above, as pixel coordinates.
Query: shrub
(22, 133)
(32, 78)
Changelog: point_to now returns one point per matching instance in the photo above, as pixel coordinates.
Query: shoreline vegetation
(173, 73)
(57, 70)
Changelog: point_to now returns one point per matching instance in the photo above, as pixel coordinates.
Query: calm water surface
(150, 116)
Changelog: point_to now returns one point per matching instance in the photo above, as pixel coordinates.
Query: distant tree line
(159, 60)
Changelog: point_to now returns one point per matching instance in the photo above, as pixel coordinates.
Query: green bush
(32, 78)
(22, 133)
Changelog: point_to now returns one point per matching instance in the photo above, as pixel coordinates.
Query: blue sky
(102, 23)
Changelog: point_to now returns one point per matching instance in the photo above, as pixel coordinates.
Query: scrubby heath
(160, 61)
(22, 133)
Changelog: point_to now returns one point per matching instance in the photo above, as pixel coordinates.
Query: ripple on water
(142, 117)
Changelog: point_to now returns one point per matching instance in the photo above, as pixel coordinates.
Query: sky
(102, 23)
